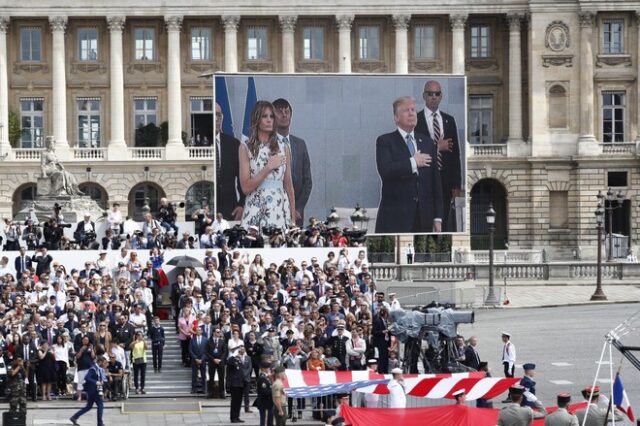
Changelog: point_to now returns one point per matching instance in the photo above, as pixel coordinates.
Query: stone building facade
(552, 110)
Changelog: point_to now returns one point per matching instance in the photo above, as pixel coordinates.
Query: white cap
(396, 371)
(504, 333)
(459, 392)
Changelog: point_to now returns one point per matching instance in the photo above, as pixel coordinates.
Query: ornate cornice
(288, 23)
(458, 21)
(401, 22)
(116, 23)
(515, 20)
(344, 22)
(173, 23)
(586, 18)
(58, 23)
(230, 22)
(4, 24)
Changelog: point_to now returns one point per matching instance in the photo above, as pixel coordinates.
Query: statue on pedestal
(60, 181)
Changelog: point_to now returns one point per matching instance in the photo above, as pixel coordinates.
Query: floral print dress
(268, 204)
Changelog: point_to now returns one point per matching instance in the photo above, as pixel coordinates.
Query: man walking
(93, 385)
(508, 355)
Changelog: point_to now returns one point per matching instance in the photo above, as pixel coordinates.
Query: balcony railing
(201, 152)
(619, 148)
(89, 153)
(27, 154)
(490, 150)
(146, 153)
(103, 153)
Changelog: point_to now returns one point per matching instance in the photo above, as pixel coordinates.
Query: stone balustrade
(619, 148)
(490, 150)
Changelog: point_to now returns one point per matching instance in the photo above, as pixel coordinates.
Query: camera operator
(203, 219)
(167, 215)
(232, 236)
(219, 226)
(253, 239)
(138, 241)
(12, 234)
(85, 233)
(313, 238)
(156, 239)
(53, 233)
(111, 241)
(57, 217)
(208, 239)
(276, 239)
(31, 234)
(187, 241)
(293, 237)
(149, 224)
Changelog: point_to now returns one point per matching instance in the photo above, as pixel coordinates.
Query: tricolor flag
(222, 99)
(620, 399)
(250, 101)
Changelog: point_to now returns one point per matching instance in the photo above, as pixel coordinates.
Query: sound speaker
(14, 418)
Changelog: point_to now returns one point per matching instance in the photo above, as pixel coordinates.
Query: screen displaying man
(411, 184)
(442, 129)
(229, 195)
(300, 164)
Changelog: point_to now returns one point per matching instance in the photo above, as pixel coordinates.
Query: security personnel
(460, 396)
(17, 388)
(595, 415)
(235, 379)
(516, 415)
(528, 384)
(263, 402)
(93, 385)
(562, 417)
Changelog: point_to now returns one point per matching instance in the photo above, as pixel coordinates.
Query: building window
(88, 44)
(481, 119)
(96, 192)
(369, 42)
(257, 43)
(557, 107)
(612, 36)
(613, 105)
(424, 42)
(31, 122)
(201, 44)
(145, 114)
(30, 44)
(198, 195)
(141, 194)
(145, 40)
(88, 119)
(480, 46)
(617, 179)
(313, 43)
(559, 209)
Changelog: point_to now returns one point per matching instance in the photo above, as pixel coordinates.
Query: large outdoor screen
(392, 145)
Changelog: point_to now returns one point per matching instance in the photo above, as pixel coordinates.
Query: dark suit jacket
(451, 162)
(471, 359)
(228, 187)
(33, 352)
(409, 202)
(235, 372)
(198, 351)
(224, 260)
(218, 351)
(300, 174)
(18, 265)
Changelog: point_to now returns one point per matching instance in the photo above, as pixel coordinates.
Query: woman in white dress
(265, 173)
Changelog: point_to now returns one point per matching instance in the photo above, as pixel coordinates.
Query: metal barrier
(408, 298)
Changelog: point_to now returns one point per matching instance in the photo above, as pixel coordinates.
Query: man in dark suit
(43, 261)
(471, 357)
(442, 129)
(224, 258)
(22, 263)
(197, 351)
(85, 233)
(381, 338)
(28, 351)
(94, 381)
(411, 187)
(216, 356)
(236, 383)
(300, 164)
(229, 195)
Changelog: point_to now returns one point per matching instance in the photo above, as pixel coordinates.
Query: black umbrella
(185, 262)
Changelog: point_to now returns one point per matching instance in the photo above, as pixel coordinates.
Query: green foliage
(381, 244)
(148, 136)
(14, 129)
(432, 243)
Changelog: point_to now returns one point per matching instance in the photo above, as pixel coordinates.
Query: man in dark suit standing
(28, 351)
(22, 263)
(442, 129)
(300, 164)
(197, 351)
(224, 258)
(229, 195)
(471, 357)
(410, 179)
(217, 356)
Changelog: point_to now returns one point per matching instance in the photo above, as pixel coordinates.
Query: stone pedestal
(73, 208)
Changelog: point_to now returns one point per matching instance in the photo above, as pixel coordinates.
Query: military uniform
(515, 415)
(596, 416)
(530, 386)
(263, 402)
(561, 417)
(18, 392)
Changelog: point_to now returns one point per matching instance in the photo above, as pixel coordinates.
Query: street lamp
(615, 202)
(357, 216)
(492, 299)
(599, 294)
(333, 217)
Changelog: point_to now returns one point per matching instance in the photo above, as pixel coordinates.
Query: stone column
(58, 25)
(231, 23)
(515, 78)
(587, 144)
(457, 43)
(344, 43)
(401, 23)
(288, 25)
(174, 86)
(5, 146)
(638, 84)
(117, 142)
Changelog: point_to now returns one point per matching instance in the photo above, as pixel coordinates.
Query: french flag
(620, 399)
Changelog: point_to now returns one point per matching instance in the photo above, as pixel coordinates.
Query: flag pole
(595, 379)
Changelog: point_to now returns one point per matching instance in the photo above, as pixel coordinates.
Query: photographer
(253, 239)
(187, 241)
(203, 219)
(276, 239)
(313, 238)
(233, 237)
(111, 241)
(167, 216)
(293, 237)
(12, 234)
(43, 260)
(85, 233)
(208, 239)
(31, 234)
(138, 241)
(53, 233)
(149, 225)
(156, 239)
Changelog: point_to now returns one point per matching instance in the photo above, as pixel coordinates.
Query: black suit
(224, 260)
(451, 174)
(409, 201)
(381, 341)
(30, 363)
(300, 174)
(18, 265)
(228, 186)
(216, 351)
(471, 358)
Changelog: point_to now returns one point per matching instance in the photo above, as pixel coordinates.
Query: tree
(381, 244)
(15, 130)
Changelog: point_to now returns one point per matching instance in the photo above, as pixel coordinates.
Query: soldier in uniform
(17, 388)
(562, 417)
(263, 402)
(528, 384)
(516, 415)
(595, 415)
(460, 395)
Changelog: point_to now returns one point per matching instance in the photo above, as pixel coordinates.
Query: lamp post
(615, 202)
(357, 216)
(599, 294)
(333, 218)
(492, 298)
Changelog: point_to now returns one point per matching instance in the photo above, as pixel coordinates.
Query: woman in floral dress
(265, 173)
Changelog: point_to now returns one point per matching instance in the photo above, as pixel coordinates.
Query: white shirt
(397, 396)
(219, 226)
(428, 116)
(509, 353)
(139, 319)
(121, 357)
(114, 218)
(371, 399)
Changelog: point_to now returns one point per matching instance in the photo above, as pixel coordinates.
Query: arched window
(198, 194)
(484, 193)
(96, 192)
(557, 107)
(137, 196)
(23, 196)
